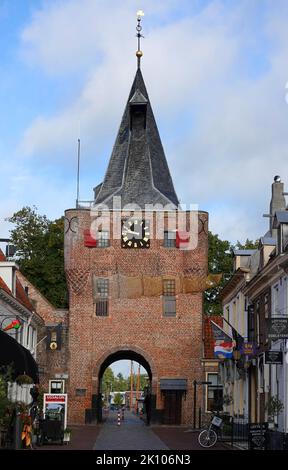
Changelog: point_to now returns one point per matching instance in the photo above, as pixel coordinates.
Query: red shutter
(89, 240)
(182, 239)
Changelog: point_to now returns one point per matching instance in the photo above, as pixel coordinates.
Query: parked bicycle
(208, 437)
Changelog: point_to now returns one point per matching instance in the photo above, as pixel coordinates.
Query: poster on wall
(55, 407)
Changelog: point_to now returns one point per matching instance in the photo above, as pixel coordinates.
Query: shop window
(214, 392)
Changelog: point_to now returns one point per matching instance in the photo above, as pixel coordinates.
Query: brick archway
(128, 352)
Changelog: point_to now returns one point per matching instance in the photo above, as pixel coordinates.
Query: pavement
(132, 434)
(82, 438)
(183, 438)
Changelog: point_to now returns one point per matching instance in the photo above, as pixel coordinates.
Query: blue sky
(216, 73)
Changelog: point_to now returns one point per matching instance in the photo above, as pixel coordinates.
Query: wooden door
(172, 407)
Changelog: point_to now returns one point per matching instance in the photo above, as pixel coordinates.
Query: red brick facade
(172, 346)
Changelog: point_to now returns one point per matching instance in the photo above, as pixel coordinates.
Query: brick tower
(136, 265)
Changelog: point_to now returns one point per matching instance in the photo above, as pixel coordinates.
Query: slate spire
(137, 170)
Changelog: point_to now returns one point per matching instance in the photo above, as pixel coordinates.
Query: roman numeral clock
(135, 233)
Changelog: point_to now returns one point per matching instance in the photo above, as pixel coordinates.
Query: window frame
(169, 242)
(103, 242)
(219, 386)
(169, 298)
(102, 297)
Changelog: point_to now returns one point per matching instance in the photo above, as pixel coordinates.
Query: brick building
(136, 265)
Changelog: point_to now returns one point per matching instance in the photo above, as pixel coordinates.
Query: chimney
(8, 272)
(278, 202)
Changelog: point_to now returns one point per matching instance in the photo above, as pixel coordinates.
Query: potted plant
(24, 380)
(274, 406)
(227, 399)
(67, 435)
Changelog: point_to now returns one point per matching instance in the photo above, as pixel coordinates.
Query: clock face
(135, 234)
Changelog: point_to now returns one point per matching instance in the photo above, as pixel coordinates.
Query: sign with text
(248, 348)
(273, 357)
(257, 436)
(55, 407)
(277, 327)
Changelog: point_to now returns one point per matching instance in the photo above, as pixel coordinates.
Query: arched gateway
(136, 280)
(132, 353)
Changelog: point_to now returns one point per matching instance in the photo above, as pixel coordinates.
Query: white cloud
(234, 122)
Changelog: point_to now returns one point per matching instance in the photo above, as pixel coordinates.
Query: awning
(173, 384)
(14, 354)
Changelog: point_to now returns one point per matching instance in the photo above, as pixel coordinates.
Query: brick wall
(172, 346)
(50, 362)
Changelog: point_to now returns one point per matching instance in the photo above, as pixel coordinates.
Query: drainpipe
(285, 378)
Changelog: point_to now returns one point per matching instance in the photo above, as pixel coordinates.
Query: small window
(102, 297)
(169, 239)
(169, 299)
(56, 386)
(103, 239)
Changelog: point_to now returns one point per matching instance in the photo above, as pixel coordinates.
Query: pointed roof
(137, 170)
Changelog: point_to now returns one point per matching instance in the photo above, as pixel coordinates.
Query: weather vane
(139, 53)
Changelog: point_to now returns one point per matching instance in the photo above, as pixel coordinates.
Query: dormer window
(138, 111)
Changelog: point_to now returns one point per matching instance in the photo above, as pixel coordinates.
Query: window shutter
(182, 239)
(89, 240)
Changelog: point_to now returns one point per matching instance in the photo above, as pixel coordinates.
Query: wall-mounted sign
(257, 436)
(55, 407)
(248, 348)
(277, 328)
(273, 357)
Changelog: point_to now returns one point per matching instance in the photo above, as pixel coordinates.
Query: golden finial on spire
(139, 53)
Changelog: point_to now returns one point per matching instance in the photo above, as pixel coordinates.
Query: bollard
(118, 418)
(122, 414)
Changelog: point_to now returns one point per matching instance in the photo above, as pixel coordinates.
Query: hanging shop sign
(277, 328)
(248, 348)
(273, 357)
(54, 337)
(11, 324)
(257, 436)
(55, 407)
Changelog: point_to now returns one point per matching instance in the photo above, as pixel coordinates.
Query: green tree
(108, 381)
(40, 252)
(120, 383)
(220, 260)
(118, 399)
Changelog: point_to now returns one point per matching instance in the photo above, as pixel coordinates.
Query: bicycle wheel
(207, 438)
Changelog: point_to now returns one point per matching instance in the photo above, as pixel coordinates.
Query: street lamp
(195, 383)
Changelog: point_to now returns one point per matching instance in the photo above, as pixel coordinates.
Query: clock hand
(132, 231)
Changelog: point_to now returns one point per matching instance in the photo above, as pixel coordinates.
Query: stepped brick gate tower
(136, 266)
